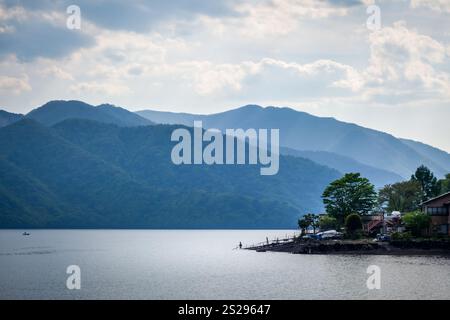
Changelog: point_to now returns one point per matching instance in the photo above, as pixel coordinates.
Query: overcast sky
(204, 56)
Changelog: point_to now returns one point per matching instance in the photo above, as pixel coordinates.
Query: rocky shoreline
(369, 247)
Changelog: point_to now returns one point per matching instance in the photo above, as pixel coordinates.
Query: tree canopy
(327, 222)
(428, 182)
(444, 184)
(401, 196)
(417, 221)
(349, 194)
(308, 220)
(406, 196)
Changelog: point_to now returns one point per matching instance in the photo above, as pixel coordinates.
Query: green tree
(428, 182)
(328, 222)
(350, 194)
(353, 224)
(401, 196)
(308, 220)
(303, 224)
(313, 220)
(444, 184)
(416, 222)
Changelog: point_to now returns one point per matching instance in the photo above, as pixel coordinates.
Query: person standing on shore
(240, 245)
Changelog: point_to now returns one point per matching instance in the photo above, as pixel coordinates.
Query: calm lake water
(157, 264)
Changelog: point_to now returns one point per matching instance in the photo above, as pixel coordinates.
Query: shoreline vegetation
(361, 246)
(407, 218)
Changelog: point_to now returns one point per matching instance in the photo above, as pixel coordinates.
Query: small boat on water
(25, 234)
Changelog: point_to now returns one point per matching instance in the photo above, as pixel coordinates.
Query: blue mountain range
(68, 164)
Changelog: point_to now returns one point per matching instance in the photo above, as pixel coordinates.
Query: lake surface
(182, 264)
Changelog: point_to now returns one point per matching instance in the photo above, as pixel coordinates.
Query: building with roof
(438, 208)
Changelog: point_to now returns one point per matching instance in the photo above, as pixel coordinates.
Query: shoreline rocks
(408, 247)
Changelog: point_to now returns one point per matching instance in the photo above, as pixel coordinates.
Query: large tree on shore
(349, 194)
(428, 182)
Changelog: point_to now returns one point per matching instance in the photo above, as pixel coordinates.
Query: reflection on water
(174, 264)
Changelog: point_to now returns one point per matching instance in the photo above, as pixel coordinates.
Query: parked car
(383, 237)
(311, 236)
(330, 234)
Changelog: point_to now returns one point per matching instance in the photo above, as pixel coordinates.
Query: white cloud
(13, 13)
(271, 18)
(14, 85)
(53, 71)
(347, 76)
(403, 60)
(110, 89)
(209, 78)
(437, 5)
(301, 53)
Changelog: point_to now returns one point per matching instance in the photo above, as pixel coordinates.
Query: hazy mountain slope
(165, 117)
(56, 111)
(87, 184)
(144, 152)
(124, 117)
(302, 131)
(344, 164)
(20, 192)
(441, 157)
(86, 174)
(7, 118)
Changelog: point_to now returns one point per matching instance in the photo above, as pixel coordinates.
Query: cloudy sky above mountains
(204, 56)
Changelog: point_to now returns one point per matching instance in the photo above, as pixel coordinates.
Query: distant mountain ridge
(344, 164)
(60, 110)
(69, 164)
(7, 118)
(304, 132)
(327, 141)
(441, 157)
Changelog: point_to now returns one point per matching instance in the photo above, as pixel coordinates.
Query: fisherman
(240, 245)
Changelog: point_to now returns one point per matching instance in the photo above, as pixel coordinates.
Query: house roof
(436, 198)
